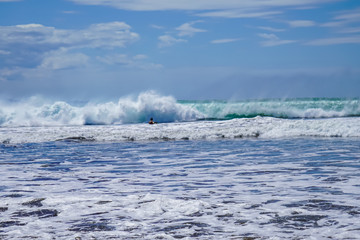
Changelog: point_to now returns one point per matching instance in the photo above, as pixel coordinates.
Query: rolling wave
(139, 109)
(311, 108)
(35, 112)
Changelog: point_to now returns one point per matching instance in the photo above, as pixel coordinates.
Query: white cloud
(184, 30)
(344, 18)
(273, 40)
(3, 52)
(271, 29)
(301, 23)
(225, 40)
(349, 16)
(5, 73)
(335, 41)
(28, 44)
(62, 59)
(167, 41)
(212, 8)
(238, 13)
(113, 34)
(38, 48)
(155, 5)
(140, 57)
(187, 29)
(156, 26)
(350, 30)
(333, 24)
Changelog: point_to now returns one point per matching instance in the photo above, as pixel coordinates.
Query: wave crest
(139, 109)
(38, 112)
(287, 109)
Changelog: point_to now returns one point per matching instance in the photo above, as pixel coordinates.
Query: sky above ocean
(204, 49)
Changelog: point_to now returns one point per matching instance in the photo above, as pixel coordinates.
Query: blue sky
(202, 49)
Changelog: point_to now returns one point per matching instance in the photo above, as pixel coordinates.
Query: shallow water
(282, 188)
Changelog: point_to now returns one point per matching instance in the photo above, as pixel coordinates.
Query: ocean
(255, 169)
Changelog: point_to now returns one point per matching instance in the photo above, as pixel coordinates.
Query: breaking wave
(311, 108)
(35, 112)
(139, 109)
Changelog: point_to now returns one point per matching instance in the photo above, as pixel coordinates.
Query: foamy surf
(259, 127)
(39, 112)
(265, 169)
(206, 190)
(139, 109)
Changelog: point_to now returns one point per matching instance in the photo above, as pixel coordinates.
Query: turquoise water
(40, 112)
(279, 108)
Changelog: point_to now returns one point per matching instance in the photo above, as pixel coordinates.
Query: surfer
(152, 121)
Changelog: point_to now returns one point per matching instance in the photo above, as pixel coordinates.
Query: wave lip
(141, 109)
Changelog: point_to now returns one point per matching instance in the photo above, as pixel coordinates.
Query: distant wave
(139, 109)
(311, 108)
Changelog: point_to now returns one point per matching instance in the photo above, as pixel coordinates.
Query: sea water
(264, 169)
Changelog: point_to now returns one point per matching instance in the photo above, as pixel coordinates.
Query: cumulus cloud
(35, 46)
(273, 40)
(62, 59)
(27, 45)
(113, 34)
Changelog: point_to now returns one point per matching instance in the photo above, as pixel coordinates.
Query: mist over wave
(39, 112)
(139, 109)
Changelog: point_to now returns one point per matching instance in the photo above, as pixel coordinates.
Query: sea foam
(259, 127)
(39, 112)
(139, 109)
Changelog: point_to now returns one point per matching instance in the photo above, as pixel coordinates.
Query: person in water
(152, 121)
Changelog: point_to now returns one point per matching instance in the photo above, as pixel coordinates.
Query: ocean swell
(311, 108)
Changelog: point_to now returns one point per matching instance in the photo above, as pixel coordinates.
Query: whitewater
(254, 169)
(37, 120)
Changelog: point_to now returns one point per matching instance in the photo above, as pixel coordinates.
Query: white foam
(139, 109)
(263, 127)
(168, 190)
(40, 112)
